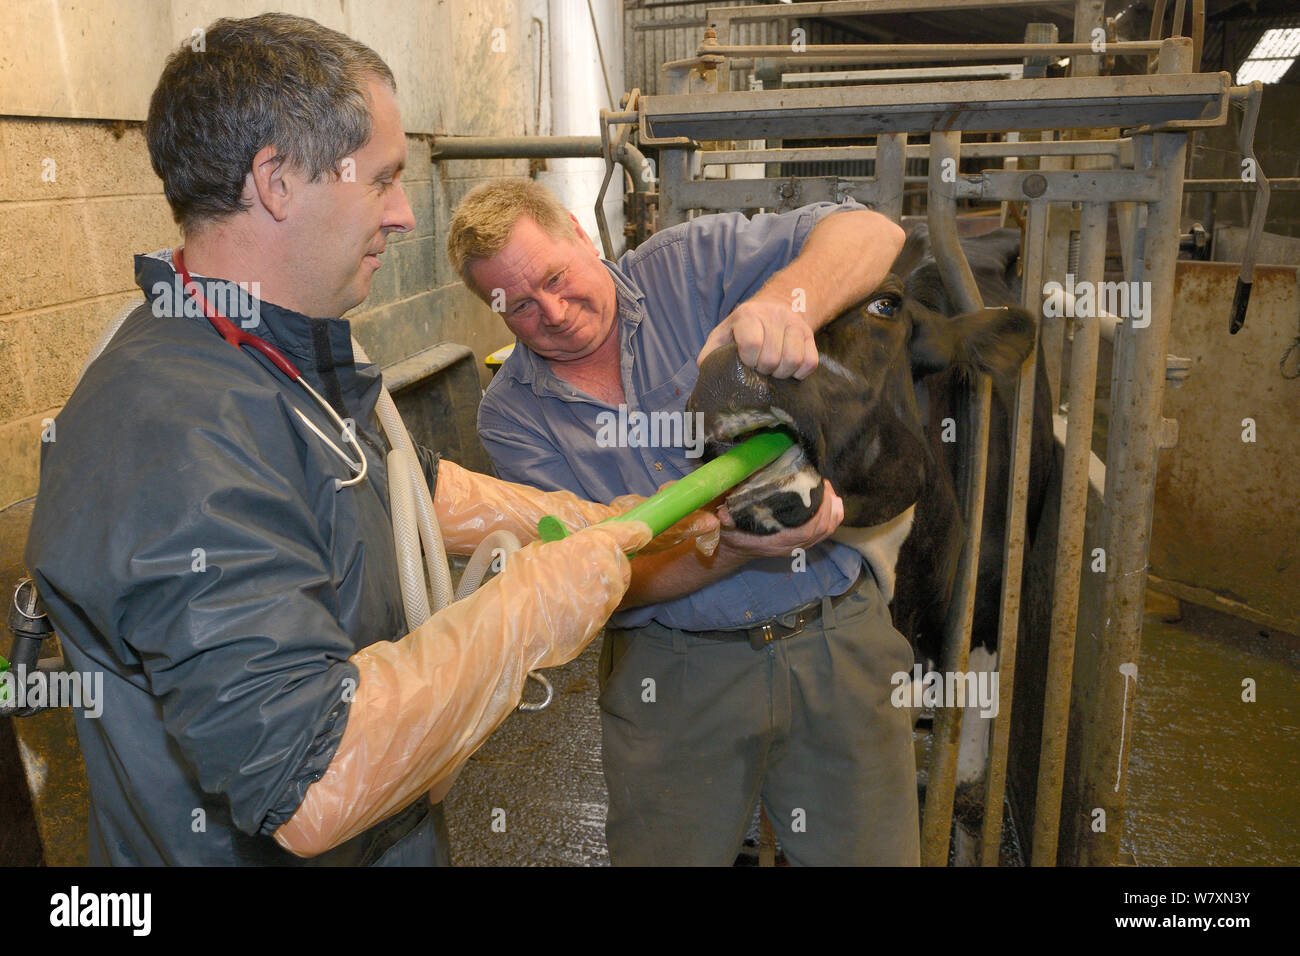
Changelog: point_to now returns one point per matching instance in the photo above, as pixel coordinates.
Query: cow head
(855, 417)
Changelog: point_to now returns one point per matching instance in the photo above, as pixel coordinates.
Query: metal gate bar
(1137, 432)
(1014, 548)
(941, 784)
(1069, 548)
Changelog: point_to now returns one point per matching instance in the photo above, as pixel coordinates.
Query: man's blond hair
(481, 224)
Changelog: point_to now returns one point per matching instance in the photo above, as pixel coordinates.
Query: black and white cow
(878, 417)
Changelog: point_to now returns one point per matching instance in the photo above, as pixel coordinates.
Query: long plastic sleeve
(425, 703)
(469, 505)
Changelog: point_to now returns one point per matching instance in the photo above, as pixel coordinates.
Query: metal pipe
(673, 175)
(890, 166)
(844, 8)
(539, 147)
(1237, 185)
(1241, 299)
(1014, 71)
(1089, 15)
(916, 52)
(1014, 549)
(1137, 392)
(1198, 33)
(514, 147)
(960, 282)
(821, 154)
(553, 147)
(1069, 548)
(1158, 19)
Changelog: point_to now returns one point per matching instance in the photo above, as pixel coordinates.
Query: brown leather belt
(763, 634)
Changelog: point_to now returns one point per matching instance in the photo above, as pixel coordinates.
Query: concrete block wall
(78, 198)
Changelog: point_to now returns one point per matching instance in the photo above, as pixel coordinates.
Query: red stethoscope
(239, 337)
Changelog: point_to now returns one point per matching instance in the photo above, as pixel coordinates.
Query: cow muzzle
(737, 402)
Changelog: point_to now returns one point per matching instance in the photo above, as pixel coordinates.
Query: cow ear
(1004, 245)
(993, 341)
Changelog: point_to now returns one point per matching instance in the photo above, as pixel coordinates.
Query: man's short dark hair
(270, 80)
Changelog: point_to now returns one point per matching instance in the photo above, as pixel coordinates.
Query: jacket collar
(300, 337)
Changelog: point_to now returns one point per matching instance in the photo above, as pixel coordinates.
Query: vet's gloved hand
(470, 505)
(426, 702)
(702, 526)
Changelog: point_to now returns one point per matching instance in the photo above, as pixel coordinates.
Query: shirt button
(749, 615)
(659, 466)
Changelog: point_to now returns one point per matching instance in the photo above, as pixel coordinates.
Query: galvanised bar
(1236, 185)
(890, 167)
(1069, 547)
(960, 282)
(1014, 543)
(729, 194)
(1011, 70)
(993, 186)
(823, 154)
(1061, 185)
(832, 53)
(674, 179)
(1138, 386)
(850, 8)
(513, 147)
(978, 105)
(996, 185)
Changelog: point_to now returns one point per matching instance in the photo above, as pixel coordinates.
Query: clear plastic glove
(469, 505)
(426, 702)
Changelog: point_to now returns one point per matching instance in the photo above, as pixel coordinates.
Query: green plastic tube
(664, 509)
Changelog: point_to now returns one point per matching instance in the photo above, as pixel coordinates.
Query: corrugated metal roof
(661, 30)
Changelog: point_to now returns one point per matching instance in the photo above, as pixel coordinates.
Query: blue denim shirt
(672, 291)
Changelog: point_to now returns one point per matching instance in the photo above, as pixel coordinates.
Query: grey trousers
(695, 731)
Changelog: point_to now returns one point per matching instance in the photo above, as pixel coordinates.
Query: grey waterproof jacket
(189, 543)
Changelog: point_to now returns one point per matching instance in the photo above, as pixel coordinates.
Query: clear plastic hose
(498, 542)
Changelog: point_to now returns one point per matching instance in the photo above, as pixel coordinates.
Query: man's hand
(845, 257)
(684, 569)
(814, 531)
(770, 337)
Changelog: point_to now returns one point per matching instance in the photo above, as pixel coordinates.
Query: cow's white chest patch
(879, 546)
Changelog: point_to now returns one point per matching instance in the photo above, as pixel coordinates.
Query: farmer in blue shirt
(763, 669)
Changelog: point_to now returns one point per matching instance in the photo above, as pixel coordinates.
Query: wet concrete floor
(1215, 779)
(533, 794)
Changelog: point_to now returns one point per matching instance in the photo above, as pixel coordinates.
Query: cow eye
(885, 305)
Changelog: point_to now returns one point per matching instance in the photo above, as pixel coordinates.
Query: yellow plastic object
(426, 702)
(498, 358)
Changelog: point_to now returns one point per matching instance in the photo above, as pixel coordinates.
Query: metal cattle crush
(1101, 141)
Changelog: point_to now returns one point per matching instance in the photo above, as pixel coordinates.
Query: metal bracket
(1168, 437)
